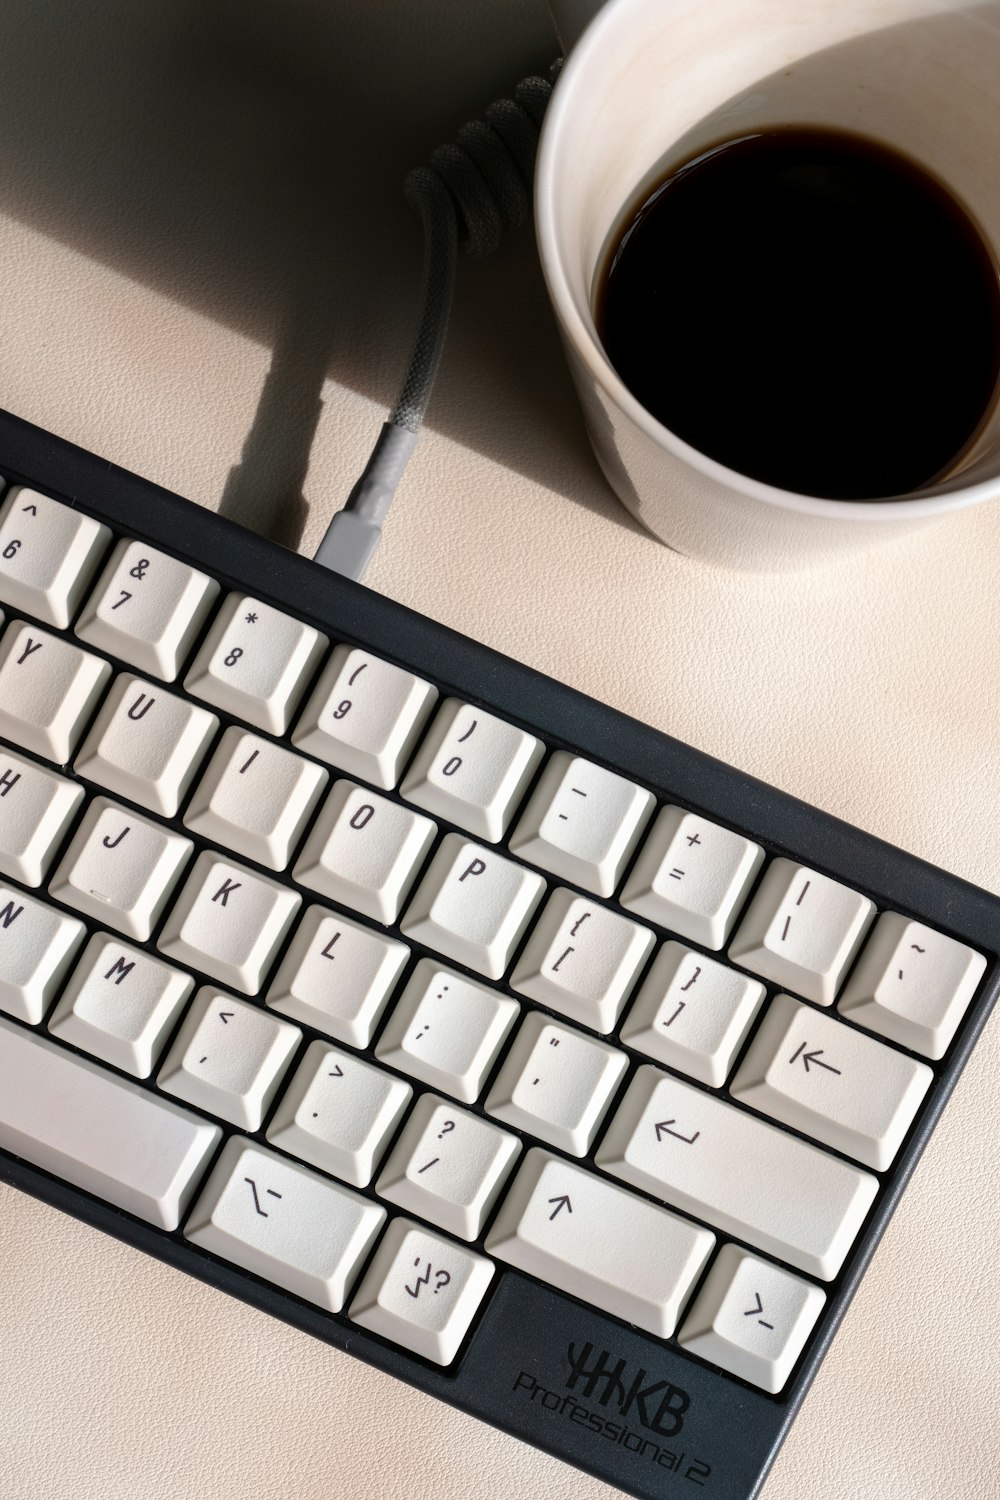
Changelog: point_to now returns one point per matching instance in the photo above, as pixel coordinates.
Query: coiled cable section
(472, 192)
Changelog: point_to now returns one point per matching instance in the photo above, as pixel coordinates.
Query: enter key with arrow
(831, 1082)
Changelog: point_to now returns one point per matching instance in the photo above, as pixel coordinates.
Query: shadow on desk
(246, 160)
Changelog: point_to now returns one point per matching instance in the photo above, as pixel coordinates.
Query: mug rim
(589, 349)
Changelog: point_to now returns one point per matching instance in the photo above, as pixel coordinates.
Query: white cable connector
(355, 532)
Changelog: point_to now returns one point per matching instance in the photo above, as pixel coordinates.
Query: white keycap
(256, 663)
(120, 1004)
(146, 744)
(752, 1318)
(802, 930)
(48, 690)
(911, 984)
(582, 823)
(37, 946)
(337, 976)
(582, 960)
(473, 905)
(723, 1165)
(556, 1084)
(692, 876)
(365, 716)
(147, 608)
(229, 922)
(421, 1291)
(446, 1030)
(120, 869)
(339, 1113)
(448, 1166)
(364, 851)
(580, 1233)
(48, 554)
(692, 1014)
(109, 1136)
(282, 1222)
(36, 808)
(849, 1091)
(228, 1058)
(472, 769)
(255, 797)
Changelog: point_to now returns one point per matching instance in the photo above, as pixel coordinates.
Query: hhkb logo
(657, 1404)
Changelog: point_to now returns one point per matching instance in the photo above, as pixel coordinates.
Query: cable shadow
(246, 160)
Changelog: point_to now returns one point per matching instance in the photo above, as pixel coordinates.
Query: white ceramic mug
(651, 82)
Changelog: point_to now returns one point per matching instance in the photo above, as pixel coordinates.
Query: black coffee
(809, 308)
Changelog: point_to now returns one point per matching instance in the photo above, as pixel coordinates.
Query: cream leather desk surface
(872, 689)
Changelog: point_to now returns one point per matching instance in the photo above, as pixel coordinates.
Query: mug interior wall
(670, 80)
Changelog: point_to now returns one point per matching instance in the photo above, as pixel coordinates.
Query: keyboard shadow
(246, 160)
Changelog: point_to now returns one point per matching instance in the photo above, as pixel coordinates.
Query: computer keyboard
(456, 1019)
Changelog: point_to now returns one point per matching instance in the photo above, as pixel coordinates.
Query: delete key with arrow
(832, 1082)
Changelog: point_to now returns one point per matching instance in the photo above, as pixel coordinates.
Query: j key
(284, 1223)
(473, 905)
(422, 1291)
(109, 1136)
(37, 947)
(339, 1113)
(802, 930)
(256, 663)
(752, 1318)
(850, 1091)
(228, 1058)
(446, 1030)
(120, 1004)
(229, 922)
(48, 554)
(365, 716)
(147, 609)
(36, 809)
(472, 769)
(146, 744)
(589, 1238)
(582, 960)
(364, 851)
(692, 1014)
(692, 876)
(255, 797)
(752, 1180)
(582, 823)
(556, 1084)
(120, 868)
(448, 1166)
(337, 976)
(912, 984)
(48, 690)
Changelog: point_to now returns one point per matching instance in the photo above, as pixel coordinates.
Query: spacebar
(98, 1131)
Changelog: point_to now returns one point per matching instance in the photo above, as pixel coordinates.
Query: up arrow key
(225, 1016)
(561, 1202)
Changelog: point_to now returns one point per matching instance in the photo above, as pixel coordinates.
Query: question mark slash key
(448, 1166)
(422, 1291)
